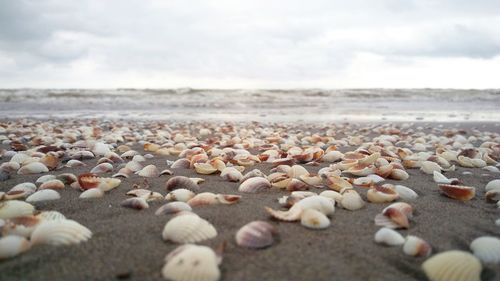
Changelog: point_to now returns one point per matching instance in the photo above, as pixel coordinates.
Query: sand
(127, 244)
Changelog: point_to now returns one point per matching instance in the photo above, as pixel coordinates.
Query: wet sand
(127, 244)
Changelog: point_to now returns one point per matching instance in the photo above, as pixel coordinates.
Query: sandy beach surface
(127, 245)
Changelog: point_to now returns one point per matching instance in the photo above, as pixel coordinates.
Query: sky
(250, 44)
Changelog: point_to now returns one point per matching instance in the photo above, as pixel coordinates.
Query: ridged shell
(389, 237)
(88, 180)
(51, 215)
(494, 184)
(102, 168)
(351, 200)
(254, 185)
(134, 166)
(256, 235)
(43, 195)
(14, 208)
(13, 245)
(191, 263)
(150, 171)
(178, 182)
(415, 246)
(188, 228)
(314, 219)
(180, 164)
(453, 266)
(180, 194)
(21, 226)
(60, 232)
(487, 249)
(33, 168)
(173, 208)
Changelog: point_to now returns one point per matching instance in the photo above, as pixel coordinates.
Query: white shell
(43, 195)
(453, 266)
(33, 168)
(319, 203)
(405, 193)
(440, 178)
(180, 194)
(389, 237)
(150, 171)
(51, 215)
(13, 245)
(256, 235)
(255, 184)
(487, 249)
(45, 178)
(92, 193)
(191, 263)
(429, 167)
(314, 219)
(332, 195)
(415, 246)
(188, 228)
(15, 208)
(351, 200)
(60, 232)
(494, 184)
(172, 208)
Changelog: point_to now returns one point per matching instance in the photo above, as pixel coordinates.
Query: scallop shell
(487, 249)
(188, 228)
(351, 200)
(494, 184)
(88, 180)
(191, 263)
(137, 203)
(458, 192)
(60, 232)
(180, 194)
(173, 208)
(102, 168)
(389, 237)
(178, 182)
(453, 266)
(10, 167)
(51, 215)
(313, 219)
(43, 195)
(52, 184)
(92, 193)
(14, 208)
(415, 246)
(33, 168)
(256, 235)
(13, 245)
(180, 164)
(254, 185)
(405, 193)
(150, 171)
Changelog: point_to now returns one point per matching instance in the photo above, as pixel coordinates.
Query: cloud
(55, 43)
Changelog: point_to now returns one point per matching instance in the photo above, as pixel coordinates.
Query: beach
(126, 244)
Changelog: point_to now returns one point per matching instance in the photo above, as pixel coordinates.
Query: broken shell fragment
(395, 215)
(191, 263)
(453, 266)
(256, 235)
(188, 228)
(458, 192)
(389, 237)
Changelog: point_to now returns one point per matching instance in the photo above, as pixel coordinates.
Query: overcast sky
(250, 44)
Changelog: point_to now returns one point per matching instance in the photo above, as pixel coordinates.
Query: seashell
(102, 168)
(430, 167)
(415, 246)
(60, 232)
(440, 178)
(129, 154)
(252, 174)
(52, 184)
(137, 203)
(351, 200)
(10, 167)
(100, 149)
(173, 208)
(151, 147)
(389, 237)
(138, 158)
(204, 168)
(21, 226)
(315, 181)
(180, 194)
(369, 159)
(19, 158)
(178, 182)
(134, 166)
(320, 203)
(45, 178)
(166, 172)
(188, 228)
(492, 169)
(51, 215)
(334, 195)
(296, 185)
(228, 199)
(254, 185)
(398, 174)
(313, 219)
(150, 171)
(13, 245)
(494, 184)
(382, 194)
(395, 215)
(106, 184)
(492, 196)
(123, 173)
(81, 155)
(14, 208)
(43, 195)
(181, 164)
(293, 214)
(33, 168)
(231, 174)
(332, 156)
(50, 161)
(197, 180)
(405, 193)
(296, 171)
(487, 249)
(88, 180)
(256, 235)
(361, 170)
(337, 183)
(384, 171)
(115, 158)
(21, 190)
(75, 163)
(92, 193)
(458, 192)
(191, 263)
(453, 266)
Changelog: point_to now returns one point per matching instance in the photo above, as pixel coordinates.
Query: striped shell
(191, 263)
(254, 185)
(453, 266)
(188, 228)
(60, 232)
(487, 249)
(256, 235)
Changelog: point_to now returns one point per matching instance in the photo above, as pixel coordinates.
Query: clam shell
(296, 171)
(231, 174)
(150, 171)
(191, 263)
(52, 184)
(494, 184)
(178, 182)
(102, 168)
(252, 174)
(188, 228)
(254, 185)
(45, 178)
(453, 266)
(180, 194)
(399, 174)
(173, 208)
(487, 249)
(106, 184)
(134, 166)
(382, 194)
(204, 198)
(337, 183)
(51, 215)
(430, 167)
(44, 195)
(405, 193)
(256, 235)
(33, 168)
(458, 192)
(314, 219)
(319, 203)
(180, 164)
(166, 172)
(13, 245)
(395, 215)
(351, 200)
(67, 178)
(204, 168)
(389, 237)
(92, 193)
(88, 180)
(14, 208)
(21, 190)
(21, 226)
(60, 232)
(75, 163)
(137, 203)
(415, 246)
